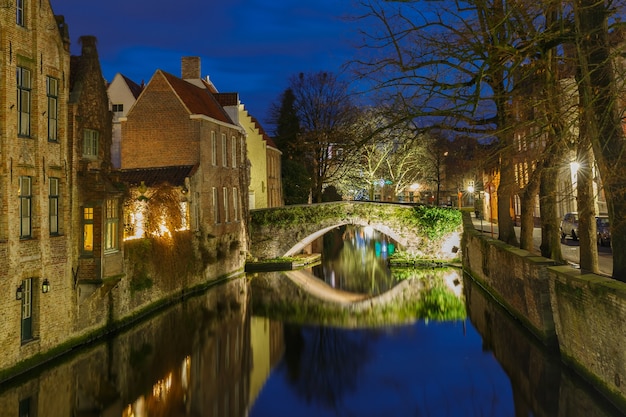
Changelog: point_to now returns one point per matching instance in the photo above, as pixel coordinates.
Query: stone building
(96, 195)
(36, 286)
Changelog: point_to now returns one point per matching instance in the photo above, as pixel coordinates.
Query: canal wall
(581, 314)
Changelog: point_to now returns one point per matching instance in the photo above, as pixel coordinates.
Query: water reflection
(354, 259)
(215, 355)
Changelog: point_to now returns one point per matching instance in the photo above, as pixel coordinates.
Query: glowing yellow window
(88, 229)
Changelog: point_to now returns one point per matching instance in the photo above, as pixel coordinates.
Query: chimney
(191, 68)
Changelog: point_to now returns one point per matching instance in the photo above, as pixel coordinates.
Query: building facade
(36, 287)
(178, 122)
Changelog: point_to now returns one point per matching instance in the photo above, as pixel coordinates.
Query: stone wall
(589, 312)
(582, 314)
(517, 278)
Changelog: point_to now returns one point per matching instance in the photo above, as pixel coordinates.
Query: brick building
(178, 124)
(36, 286)
(97, 196)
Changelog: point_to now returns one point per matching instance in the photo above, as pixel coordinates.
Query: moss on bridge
(434, 222)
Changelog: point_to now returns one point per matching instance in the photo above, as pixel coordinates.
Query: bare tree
(326, 115)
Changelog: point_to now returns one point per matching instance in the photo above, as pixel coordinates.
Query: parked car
(603, 230)
(569, 225)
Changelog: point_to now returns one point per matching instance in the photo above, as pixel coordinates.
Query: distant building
(123, 92)
(265, 167)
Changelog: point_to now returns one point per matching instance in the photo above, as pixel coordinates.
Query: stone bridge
(286, 231)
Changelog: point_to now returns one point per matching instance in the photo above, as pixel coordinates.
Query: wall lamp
(18, 292)
(45, 286)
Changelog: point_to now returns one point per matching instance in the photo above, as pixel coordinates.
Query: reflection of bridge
(285, 231)
(299, 296)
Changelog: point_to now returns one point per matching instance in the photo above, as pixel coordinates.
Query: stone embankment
(580, 313)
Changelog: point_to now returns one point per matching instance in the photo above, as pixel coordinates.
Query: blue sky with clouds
(248, 46)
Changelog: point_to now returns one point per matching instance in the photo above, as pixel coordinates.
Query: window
(213, 149)
(90, 143)
(53, 205)
(20, 18)
(216, 208)
(233, 144)
(118, 108)
(243, 151)
(112, 225)
(23, 101)
(25, 193)
(52, 87)
(88, 229)
(235, 204)
(224, 151)
(225, 196)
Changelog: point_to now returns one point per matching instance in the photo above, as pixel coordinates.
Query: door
(27, 310)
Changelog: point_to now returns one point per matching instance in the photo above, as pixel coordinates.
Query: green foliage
(437, 222)
(441, 304)
(296, 182)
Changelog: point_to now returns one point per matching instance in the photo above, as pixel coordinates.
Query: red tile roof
(197, 100)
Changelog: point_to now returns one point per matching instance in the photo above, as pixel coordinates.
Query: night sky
(246, 46)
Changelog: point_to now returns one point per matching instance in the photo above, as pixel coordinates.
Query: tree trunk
(506, 231)
(600, 99)
(527, 217)
(586, 212)
(550, 235)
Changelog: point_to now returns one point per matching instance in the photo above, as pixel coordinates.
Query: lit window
(112, 225)
(53, 206)
(25, 193)
(23, 101)
(52, 87)
(90, 143)
(88, 229)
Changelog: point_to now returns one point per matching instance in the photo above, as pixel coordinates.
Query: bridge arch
(285, 231)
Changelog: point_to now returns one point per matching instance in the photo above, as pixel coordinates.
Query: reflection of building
(193, 359)
(267, 342)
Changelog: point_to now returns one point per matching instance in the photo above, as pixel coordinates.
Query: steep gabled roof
(197, 100)
(134, 88)
(174, 175)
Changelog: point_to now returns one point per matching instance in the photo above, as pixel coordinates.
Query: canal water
(215, 355)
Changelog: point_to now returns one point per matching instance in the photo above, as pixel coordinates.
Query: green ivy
(436, 222)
